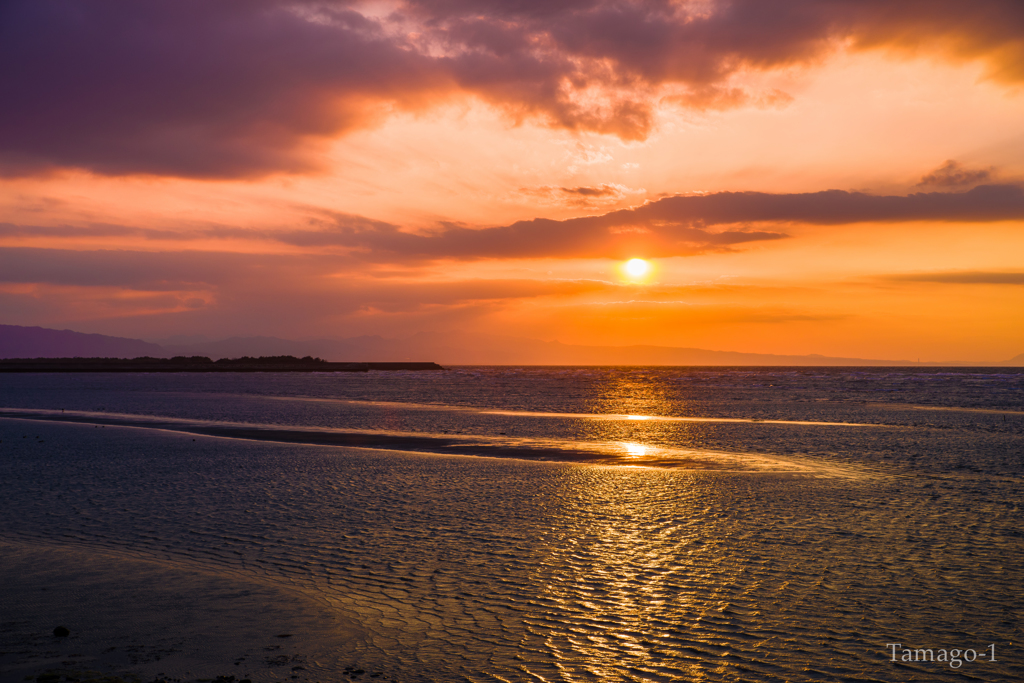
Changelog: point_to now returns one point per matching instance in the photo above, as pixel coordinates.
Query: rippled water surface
(628, 524)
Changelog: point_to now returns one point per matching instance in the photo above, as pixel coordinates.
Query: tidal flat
(890, 513)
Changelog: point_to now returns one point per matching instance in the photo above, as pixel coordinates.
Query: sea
(557, 523)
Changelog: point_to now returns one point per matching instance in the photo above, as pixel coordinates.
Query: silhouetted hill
(40, 342)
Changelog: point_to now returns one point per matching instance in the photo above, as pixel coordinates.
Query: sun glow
(637, 267)
(635, 450)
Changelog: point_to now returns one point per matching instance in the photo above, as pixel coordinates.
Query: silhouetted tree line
(271, 360)
(244, 360)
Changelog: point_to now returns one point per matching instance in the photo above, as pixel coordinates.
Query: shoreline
(203, 364)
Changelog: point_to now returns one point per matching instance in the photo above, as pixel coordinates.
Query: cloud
(229, 88)
(580, 196)
(616, 235)
(392, 296)
(59, 231)
(835, 207)
(175, 271)
(962, 277)
(953, 174)
(243, 88)
(727, 313)
(137, 270)
(671, 226)
(603, 191)
(230, 292)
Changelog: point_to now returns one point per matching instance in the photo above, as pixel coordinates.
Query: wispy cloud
(189, 270)
(962, 277)
(953, 174)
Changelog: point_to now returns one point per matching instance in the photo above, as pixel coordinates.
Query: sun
(637, 267)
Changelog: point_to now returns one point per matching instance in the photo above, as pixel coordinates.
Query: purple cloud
(192, 87)
(241, 88)
(674, 226)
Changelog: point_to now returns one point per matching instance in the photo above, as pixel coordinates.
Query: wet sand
(139, 619)
(546, 450)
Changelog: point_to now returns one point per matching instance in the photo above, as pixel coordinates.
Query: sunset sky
(841, 177)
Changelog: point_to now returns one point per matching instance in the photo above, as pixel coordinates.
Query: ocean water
(562, 524)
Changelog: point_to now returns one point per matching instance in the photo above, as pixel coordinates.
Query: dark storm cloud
(236, 88)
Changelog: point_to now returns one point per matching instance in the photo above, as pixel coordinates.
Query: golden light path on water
(578, 416)
(668, 418)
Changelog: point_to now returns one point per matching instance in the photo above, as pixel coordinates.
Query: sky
(838, 177)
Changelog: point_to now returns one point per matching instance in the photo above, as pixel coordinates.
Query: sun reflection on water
(635, 450)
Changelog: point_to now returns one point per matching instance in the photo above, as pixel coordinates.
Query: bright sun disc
(637, 267)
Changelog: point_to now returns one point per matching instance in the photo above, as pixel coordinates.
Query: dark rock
(61, 632)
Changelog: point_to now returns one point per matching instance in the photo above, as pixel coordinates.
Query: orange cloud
(672, 226)
(245, 88)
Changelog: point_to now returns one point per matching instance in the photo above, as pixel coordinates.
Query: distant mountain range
(40, 342)
(447, 349)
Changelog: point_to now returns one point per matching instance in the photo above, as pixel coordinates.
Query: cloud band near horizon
(672, 226)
